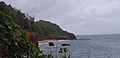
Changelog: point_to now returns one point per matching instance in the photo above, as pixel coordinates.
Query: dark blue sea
(90, 46)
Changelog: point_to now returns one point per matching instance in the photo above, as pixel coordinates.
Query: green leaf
(1, 26)
(10, 27)
(61, 50)
(65, 49)
(16, 44)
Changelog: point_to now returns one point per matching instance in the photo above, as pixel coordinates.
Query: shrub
(15, 45)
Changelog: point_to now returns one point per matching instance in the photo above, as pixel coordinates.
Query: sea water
(91, 46)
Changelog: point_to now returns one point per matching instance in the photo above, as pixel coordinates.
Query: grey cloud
(77, 16)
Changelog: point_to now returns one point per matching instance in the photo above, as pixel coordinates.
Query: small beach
(47, 41)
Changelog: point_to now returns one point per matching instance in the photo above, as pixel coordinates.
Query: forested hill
(41, 29)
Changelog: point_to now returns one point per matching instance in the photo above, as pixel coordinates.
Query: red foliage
(33, 38)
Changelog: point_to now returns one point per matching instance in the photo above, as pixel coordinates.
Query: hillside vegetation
(43, 29)
(13, 44)
(19, 32)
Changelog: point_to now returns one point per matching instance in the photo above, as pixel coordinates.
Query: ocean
(90, 46)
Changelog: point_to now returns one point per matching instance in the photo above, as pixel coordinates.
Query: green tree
(16, 45)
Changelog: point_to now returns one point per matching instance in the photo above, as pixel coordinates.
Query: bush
(15, 45)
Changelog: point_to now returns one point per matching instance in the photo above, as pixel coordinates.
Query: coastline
(47, 41)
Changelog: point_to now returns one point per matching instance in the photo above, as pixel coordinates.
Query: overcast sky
(77, 16)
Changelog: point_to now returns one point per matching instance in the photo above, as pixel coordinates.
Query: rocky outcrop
(69, 36)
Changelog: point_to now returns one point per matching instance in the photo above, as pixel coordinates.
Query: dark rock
(72, 36)
(69, 36)
(65, 44)
(51, 44)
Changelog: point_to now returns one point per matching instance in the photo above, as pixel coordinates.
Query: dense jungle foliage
(14, 44)
(16, 28)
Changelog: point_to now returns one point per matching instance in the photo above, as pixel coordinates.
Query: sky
(81, 17)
